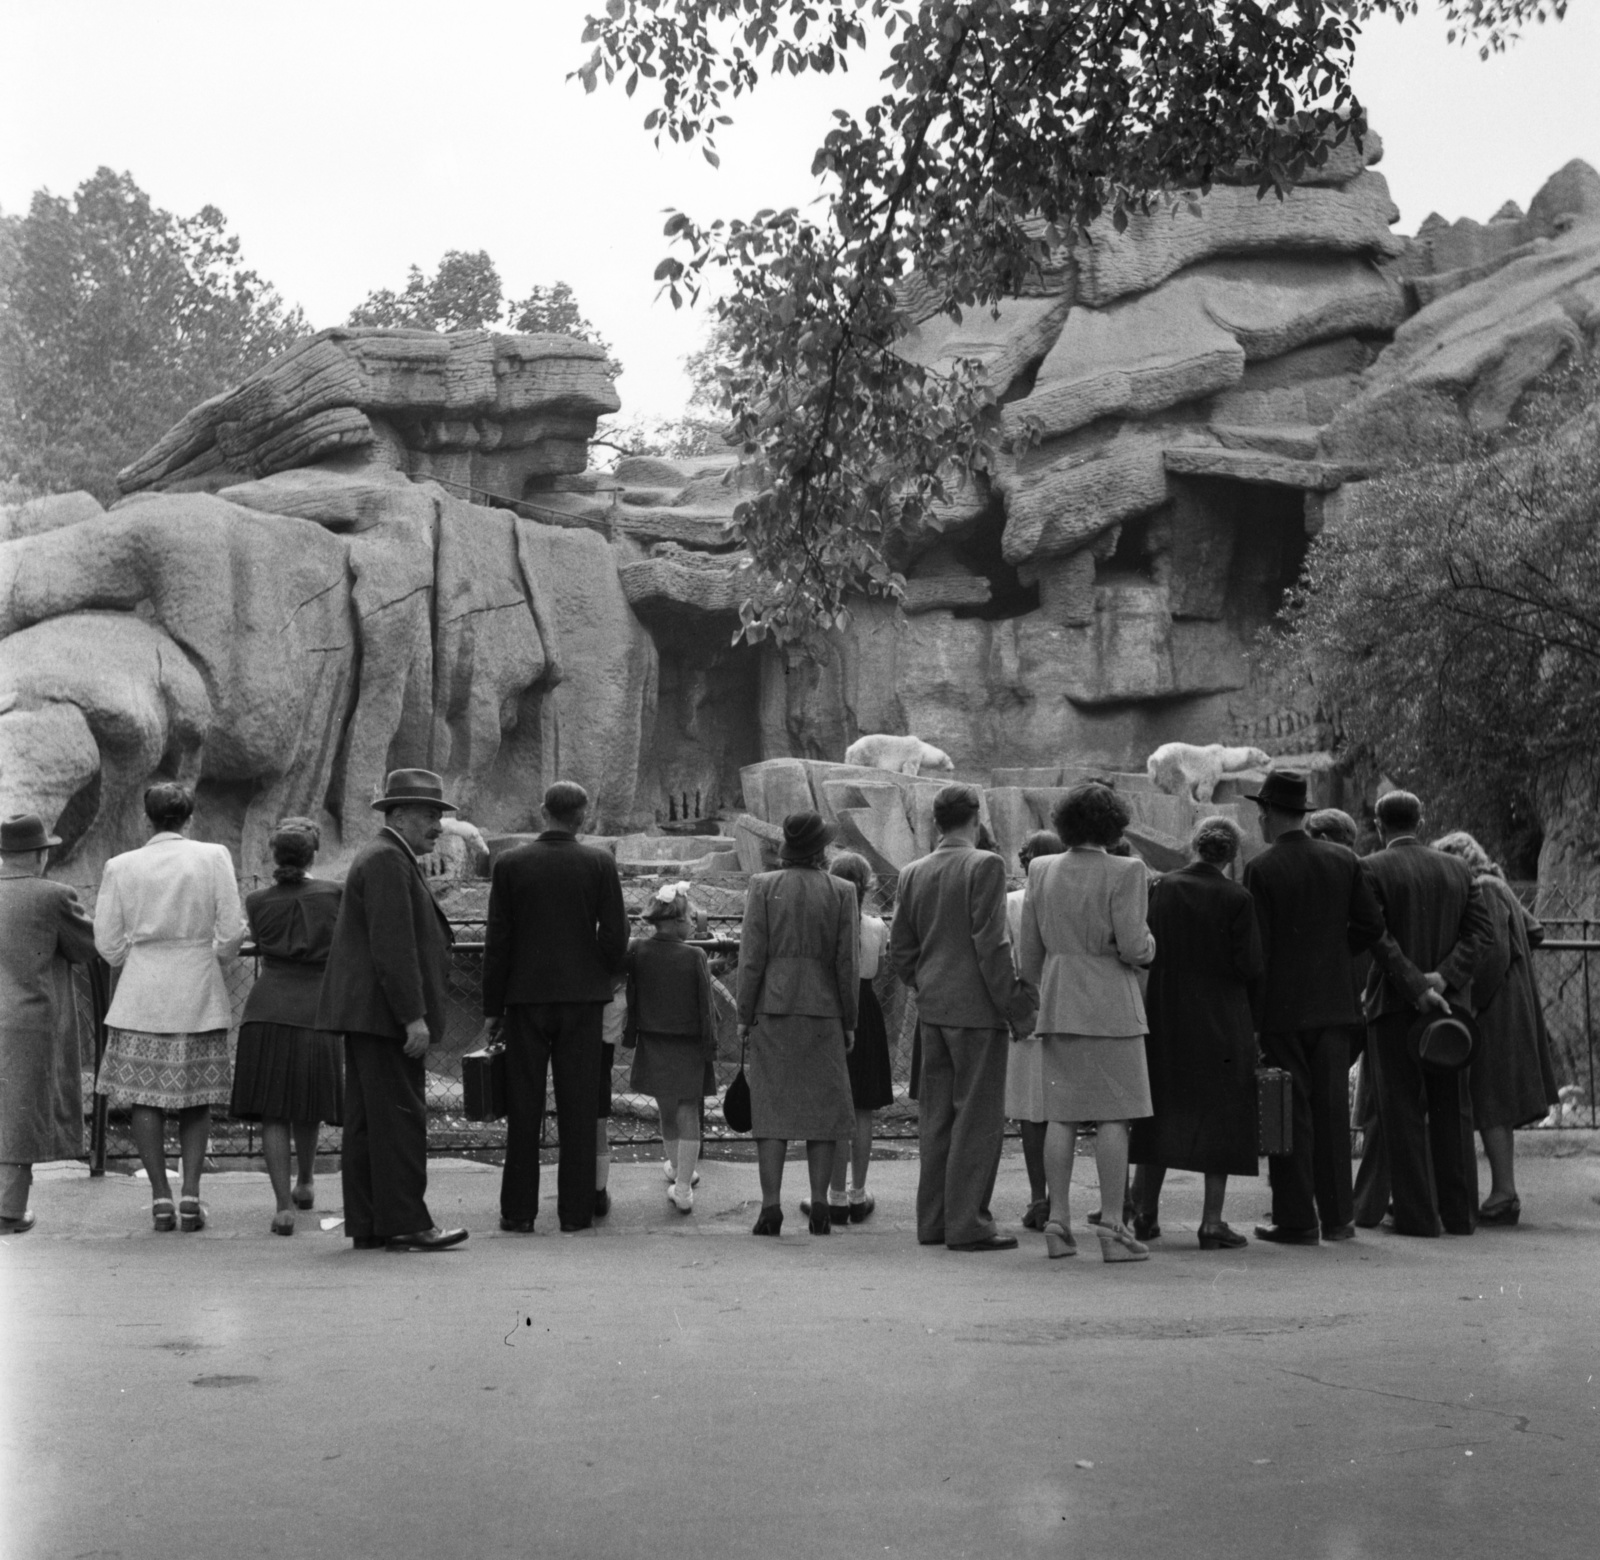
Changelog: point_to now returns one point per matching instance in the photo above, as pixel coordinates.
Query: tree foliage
(1454, 617)
(1006, 128)
(466, 293)
(115, 318)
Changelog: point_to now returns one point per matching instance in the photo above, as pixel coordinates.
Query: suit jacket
(1437, 917)
(389, 961)
(558, 930)
(168, 915)
(1315, 908)
(42, 930)
(1084, 935)
(798, 948)
(950, 943)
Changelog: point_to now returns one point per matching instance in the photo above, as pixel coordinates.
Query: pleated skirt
(799, 1083)
(283, 1072)
(871, 1073)
(167, 1072)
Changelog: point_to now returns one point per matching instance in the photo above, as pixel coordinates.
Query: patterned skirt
(169, 1072)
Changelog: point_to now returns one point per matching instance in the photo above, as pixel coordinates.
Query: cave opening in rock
(1270, 546)
(1131, 560)
(707, 723)
(981, 550)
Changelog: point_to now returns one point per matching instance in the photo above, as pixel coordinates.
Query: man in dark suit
(556, 940)
(950, 944)
(1436, 913)
(1315, 908)
(384, 990)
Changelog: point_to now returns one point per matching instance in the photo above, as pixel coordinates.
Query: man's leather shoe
(1389, 1227)
(1338, 1232)
(368, 1242)
(574, 1229)
(602, 1203)
(1282, 1237)
(988, 1243)
(20, 1225)
(427, 1240)
(517, 1226)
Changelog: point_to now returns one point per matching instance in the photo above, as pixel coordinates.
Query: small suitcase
(1275, 1110)
(483, 1083)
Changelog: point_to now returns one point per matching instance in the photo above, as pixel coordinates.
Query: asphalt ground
(669, 1386)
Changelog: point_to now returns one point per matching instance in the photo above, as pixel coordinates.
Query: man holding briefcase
(1315, 909)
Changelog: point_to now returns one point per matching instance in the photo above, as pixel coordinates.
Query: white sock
(602, 1169)
(858, 1194)
(669, 1149)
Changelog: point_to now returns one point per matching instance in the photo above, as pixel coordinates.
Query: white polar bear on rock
(899, 755)
(1182, 769)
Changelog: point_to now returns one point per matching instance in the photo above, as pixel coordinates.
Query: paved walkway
(669, 1386)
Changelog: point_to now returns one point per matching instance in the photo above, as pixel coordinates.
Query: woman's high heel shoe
(302, 1197)
(1117, 1244)
(1507, 1212)
(769, 1222)
(283, 1223)
(191, 1214)
(1058, 1241)
(163, 1214)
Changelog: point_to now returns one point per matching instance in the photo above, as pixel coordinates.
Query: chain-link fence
(634, 1117)
(1565, 966)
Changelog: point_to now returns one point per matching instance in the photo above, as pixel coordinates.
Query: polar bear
(899, 755)
(1182, 769)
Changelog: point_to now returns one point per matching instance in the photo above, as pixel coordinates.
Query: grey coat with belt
(798, 949)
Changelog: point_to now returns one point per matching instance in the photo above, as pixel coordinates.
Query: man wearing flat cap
(42, 930)
(384, 990)
(1315, 908)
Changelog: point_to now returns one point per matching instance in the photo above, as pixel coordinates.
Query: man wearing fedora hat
(384, 990)
(1436, 913)
(1315, 908)
(42, 930)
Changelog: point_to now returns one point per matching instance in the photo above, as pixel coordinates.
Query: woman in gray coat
(798, 991)
(1084, 938)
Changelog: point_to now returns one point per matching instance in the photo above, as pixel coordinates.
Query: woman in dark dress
(1201, 1048)
(1513, 1079)
(288, 1074)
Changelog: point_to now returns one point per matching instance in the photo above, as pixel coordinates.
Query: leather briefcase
(483, 1083)
(1275, 1110)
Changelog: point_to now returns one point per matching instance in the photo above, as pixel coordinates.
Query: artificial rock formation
(386, 549)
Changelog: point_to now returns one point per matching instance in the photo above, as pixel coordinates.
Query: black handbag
(1275, 1110)
(736, 1102)
(483, 1083)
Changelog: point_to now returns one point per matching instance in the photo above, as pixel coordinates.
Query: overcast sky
(347, 139)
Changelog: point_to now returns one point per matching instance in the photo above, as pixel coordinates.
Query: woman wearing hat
(168, 917)
(671, 1025)
(287, 1073)
(798, 990)
(1513, 1081)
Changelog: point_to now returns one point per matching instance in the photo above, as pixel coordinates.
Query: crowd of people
(1099, 997)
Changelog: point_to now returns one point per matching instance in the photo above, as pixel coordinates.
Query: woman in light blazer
(1083, 938)
(168, 916)
(798, 993)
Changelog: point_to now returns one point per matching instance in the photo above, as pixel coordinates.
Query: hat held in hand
(413, 788)
(1445, 1042)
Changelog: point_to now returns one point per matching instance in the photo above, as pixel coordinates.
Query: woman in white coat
(168, 916)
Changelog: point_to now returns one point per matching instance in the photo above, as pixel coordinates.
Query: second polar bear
(1183, 769)
(899, 755)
